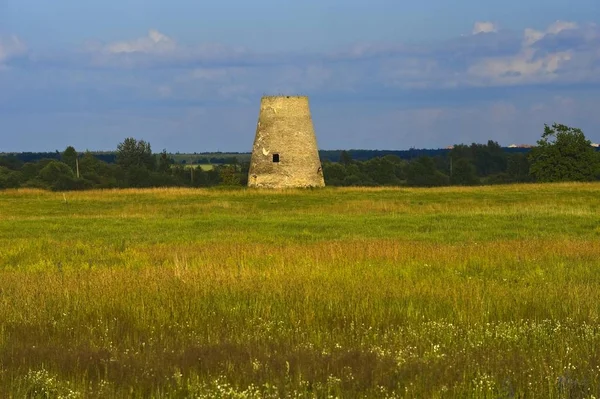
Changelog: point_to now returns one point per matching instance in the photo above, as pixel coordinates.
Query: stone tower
(285, 152)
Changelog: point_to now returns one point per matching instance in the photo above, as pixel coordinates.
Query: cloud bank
(564, 52)
(490, 83)
(484, 27)
(10, 47)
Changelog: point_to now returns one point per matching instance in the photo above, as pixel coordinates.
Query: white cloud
(535, 63)
(522, 68)
(484, 27)
(10, 47)
(531, 35)
(158, 49)
(559, 26)
(154, 43)
(563, 52)
(362, 96)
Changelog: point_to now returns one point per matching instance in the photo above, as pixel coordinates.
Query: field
(204, 167)
(453, 292)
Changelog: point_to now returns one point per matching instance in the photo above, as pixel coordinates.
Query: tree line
(562, 154)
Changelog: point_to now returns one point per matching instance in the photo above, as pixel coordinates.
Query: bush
(60, 177)
(9, 178)
(422, 173)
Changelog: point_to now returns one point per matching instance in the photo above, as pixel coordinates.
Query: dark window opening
(275, 157)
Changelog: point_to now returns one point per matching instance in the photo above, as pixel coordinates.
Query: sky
(188, 75)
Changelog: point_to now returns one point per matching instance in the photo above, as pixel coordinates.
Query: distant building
(595, 145)
(285, 152)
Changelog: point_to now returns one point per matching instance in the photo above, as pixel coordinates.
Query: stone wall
(285, 151)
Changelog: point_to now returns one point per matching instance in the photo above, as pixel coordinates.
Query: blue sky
(188, 75)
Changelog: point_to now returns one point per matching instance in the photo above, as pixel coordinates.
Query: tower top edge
(273, 97)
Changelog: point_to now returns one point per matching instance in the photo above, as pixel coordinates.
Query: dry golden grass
(453, 292)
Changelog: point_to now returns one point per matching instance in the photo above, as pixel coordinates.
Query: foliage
(134, 154)
(422, 173)
(11, 162)
(164, 162)
(518, 168)
(137, 176)
(488, 159)
(334, 173)
(464, 173)
(564, 154)
(384, 171)
(137, 167)
(9, 178)
(228, 175)
(98, 174)
(345, 158)
(69, 157)
(59, 176)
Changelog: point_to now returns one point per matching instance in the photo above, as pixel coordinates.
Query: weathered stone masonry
(285, 152)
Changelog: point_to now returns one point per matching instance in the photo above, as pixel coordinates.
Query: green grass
(204, 167)
(451, 292)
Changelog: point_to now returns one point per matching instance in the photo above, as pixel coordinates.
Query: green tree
(464, 173)
(461, 151)
(136, 161)
(518, 168)
(200, 178)
(164, 162)
(69, 157)
(213, 177)
(132, 153)
(489, 158)
(235, 163)
(345, 158)
(229, 176)
(11, 162)
(97, 173)
(59, 176)
(9, 178)
(422, 172)
(334, 173)
(382, 171)
(563, 154)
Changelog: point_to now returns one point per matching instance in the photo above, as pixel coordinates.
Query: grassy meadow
(488, 292)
